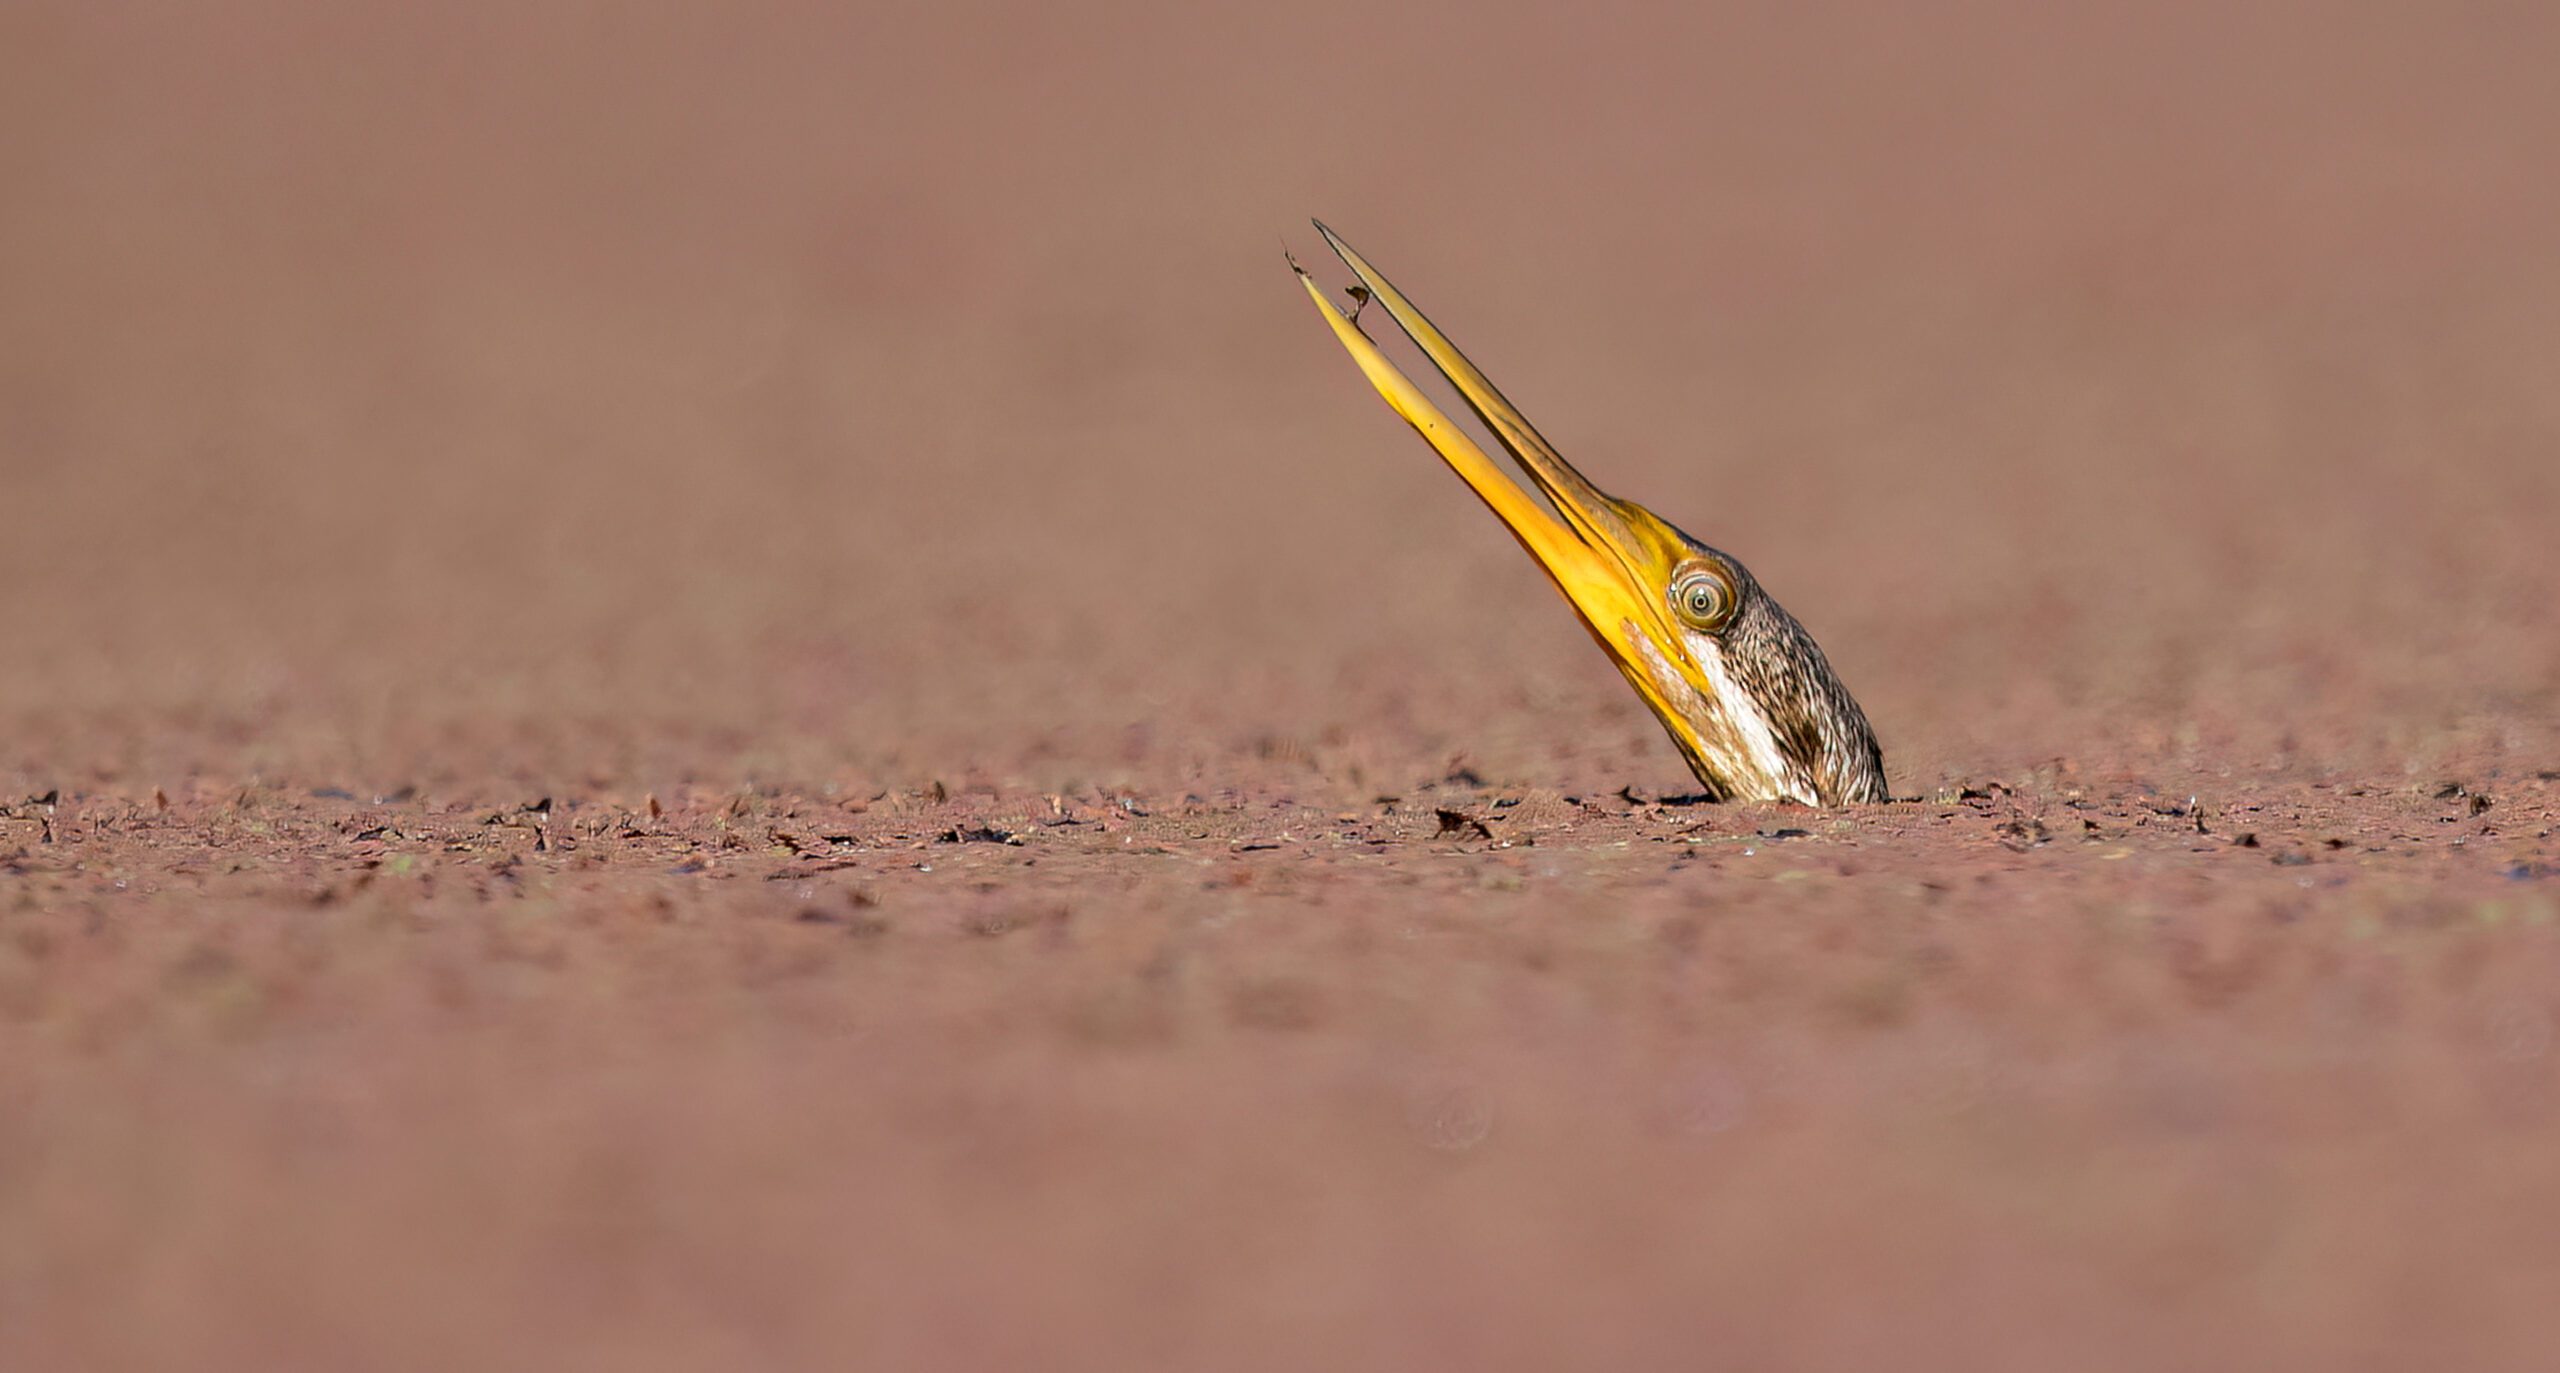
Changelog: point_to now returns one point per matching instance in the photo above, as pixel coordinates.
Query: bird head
(1738, 684)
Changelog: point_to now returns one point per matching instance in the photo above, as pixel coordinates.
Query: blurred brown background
(881, 421)
(921, 390)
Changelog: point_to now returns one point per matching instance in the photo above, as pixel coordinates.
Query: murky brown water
(996, 675)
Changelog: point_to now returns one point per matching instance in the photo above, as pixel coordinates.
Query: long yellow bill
(1608, 557)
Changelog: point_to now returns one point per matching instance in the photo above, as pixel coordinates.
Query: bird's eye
(1701, 600)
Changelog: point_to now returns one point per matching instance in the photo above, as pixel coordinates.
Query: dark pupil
(1702, 600)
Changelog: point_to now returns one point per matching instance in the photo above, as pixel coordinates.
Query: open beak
(1613, 560)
